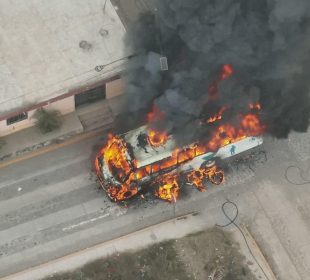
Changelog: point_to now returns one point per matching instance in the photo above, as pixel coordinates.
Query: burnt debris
(142, 141)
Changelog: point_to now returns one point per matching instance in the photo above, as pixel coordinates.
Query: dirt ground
(203, 256)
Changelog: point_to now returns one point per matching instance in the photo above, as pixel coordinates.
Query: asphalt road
(51, 205)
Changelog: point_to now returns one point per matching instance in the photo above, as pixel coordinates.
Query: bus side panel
(239, 147)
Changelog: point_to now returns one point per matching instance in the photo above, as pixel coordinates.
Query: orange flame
(196, 178)
(115, 158)
(168, 187)
(224, 135)
(155, 115)
(227, 71)
(255, 106)
(156, 138)
(214, 174)
(218, 116)
(252, 125)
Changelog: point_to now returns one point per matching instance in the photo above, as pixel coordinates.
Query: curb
(258, 254)
(40, 145)
(48, 146)
(47, 269)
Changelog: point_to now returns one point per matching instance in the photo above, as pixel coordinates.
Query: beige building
(48, 54)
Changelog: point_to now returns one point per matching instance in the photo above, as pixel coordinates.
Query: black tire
(218, 177)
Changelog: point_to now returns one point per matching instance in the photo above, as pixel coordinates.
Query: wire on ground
(301, 172)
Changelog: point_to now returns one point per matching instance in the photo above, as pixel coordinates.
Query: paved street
(50, 206)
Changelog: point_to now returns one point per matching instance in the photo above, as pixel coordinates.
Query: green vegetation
(205, 255)
(47, 121)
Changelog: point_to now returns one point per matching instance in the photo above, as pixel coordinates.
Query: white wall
(115, 88)
(8, 129)
(65, 106)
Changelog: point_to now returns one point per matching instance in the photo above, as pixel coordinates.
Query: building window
(17, 118)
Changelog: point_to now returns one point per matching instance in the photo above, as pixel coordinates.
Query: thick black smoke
(266, 41)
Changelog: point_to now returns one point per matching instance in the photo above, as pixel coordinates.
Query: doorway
(90, 96)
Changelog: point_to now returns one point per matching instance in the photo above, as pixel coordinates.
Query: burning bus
(145, 158)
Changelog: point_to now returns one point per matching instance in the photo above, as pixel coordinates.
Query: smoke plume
(266, 42)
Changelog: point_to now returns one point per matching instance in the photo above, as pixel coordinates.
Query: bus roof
(148, 154)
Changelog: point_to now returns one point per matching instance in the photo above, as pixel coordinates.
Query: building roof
(42, 54)
(149, 154)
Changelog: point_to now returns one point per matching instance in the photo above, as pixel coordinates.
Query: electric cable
(232, 221)
(301, 172)
(99, 68)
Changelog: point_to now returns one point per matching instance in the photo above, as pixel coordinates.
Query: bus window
(186, 154)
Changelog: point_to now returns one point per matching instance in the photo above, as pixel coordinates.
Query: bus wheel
(127, 194)
(216, 176)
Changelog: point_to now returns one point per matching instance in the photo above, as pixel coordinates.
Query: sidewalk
(171, 229)
(100, 115)
(31, 139)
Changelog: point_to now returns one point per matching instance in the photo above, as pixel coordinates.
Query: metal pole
(174, 210)
(174, 202)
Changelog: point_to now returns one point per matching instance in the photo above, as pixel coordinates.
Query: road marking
(57, 219)
(85, 222)
(114, 211)
(51, 148)
(45, 193)
(42, 172)
(51, 266)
